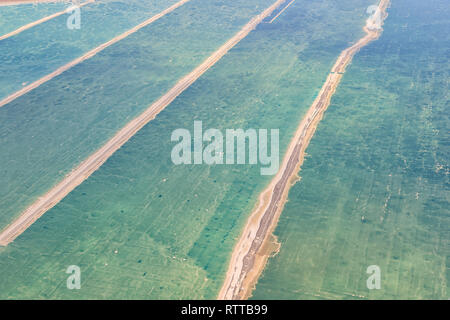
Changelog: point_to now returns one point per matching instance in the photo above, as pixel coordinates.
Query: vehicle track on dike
(93, 162)
(257, 242)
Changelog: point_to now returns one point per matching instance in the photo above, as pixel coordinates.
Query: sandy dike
(257, 242)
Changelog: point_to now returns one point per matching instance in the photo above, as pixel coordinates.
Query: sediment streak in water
(91, 164)
(250, 253)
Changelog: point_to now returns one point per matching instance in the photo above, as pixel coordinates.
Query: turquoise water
(40, 50)
(141, 227)
(381, 153)
(15, 16)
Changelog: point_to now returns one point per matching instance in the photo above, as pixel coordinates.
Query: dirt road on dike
(91, 164)
(256, 242)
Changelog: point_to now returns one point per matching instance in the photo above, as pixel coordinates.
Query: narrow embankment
(256, 242)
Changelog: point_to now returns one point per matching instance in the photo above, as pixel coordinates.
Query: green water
(50, 130)
(141, 227)
(42, 49)
(15, 16)
(381, 152)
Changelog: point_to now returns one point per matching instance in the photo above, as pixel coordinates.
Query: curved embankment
(281, 11)
(257, 242)
(91, 164)
(37, 22)
(89, 54)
